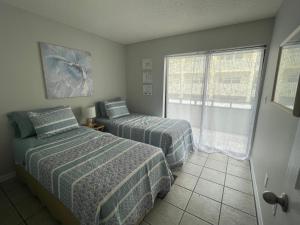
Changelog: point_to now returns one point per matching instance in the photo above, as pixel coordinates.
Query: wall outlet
(274, 209)
(266, 180)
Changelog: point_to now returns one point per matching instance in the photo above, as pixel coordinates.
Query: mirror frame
(296, 109)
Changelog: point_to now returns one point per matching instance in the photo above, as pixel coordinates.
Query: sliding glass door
(217, 93)
(185, 83)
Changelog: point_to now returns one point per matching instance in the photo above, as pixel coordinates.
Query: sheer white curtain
(217, 93)
(185, 79)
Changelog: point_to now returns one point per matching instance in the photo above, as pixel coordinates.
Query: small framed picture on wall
(147, 77)
(147, 89)
(147, 64)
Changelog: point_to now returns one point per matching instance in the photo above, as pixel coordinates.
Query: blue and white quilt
(173, 136)
(101, 178)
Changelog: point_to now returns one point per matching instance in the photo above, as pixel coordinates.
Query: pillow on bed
(100, 107)
(15, 127)
(116, 109)
(21, 123)
(53, 122)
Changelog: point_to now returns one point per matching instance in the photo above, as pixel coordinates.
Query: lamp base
(89, 123)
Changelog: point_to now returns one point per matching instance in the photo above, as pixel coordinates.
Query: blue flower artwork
(67, 71)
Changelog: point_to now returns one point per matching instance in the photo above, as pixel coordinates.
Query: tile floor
(209, 190)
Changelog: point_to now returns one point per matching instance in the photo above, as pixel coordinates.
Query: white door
(292, 216)
(287, 94)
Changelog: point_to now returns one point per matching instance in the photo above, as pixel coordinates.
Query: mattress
(21, 145)
(174, 137)
(101, 178)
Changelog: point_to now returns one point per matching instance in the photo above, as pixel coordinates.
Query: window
(217, 92)
(185, 78)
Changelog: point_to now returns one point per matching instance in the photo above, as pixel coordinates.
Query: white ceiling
(130, 21)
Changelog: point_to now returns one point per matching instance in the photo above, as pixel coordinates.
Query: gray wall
(21, 77)
(276, 127)
(247, 34)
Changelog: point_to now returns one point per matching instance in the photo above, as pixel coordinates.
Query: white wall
(276, 127)
(246, 34)
(21, 77)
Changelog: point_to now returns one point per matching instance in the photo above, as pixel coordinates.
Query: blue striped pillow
(116, 109)
(22, 124)
(53, 122)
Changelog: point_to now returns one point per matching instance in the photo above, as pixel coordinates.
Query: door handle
(282, 200)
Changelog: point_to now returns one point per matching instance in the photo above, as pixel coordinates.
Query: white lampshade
(88, 112)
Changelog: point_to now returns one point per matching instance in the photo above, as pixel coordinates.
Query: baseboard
(7, 176)
(256, 196)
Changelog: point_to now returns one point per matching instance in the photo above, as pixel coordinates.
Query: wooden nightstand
(98, 127)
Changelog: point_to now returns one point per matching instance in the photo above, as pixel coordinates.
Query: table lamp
(89, 113)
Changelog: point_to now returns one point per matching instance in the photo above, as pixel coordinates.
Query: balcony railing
(222, 104)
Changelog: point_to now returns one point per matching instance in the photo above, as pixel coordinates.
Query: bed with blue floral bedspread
(101, 178)
(173, 136)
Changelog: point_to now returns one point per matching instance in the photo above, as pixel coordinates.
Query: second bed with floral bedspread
(173, 136)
